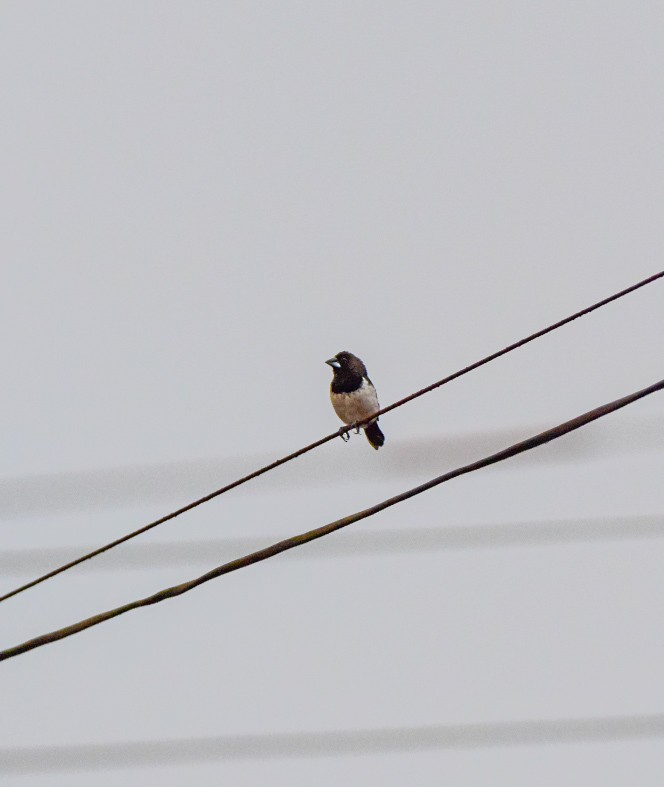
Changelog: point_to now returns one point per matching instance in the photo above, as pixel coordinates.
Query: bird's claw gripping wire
(345, 431)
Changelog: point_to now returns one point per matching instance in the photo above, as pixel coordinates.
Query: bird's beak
(333, 363)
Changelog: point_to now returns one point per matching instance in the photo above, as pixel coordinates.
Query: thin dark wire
(312, 535)
(327, 438)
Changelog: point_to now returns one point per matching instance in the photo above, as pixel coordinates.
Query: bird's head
(347, 363)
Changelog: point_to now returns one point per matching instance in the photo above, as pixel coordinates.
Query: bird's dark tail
(374, 435)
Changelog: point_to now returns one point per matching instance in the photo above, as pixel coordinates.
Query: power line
(360, 543)
(304, 538)
(332, 743)
(327, 438)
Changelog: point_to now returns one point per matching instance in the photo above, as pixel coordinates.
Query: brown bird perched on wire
(353, 395)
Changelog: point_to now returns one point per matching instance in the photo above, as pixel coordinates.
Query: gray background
(200, 203)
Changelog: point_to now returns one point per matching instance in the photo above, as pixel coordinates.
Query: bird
(353, 395)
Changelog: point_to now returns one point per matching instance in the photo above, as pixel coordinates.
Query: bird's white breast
(356, 405)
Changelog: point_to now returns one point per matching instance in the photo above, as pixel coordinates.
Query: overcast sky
(201, 202)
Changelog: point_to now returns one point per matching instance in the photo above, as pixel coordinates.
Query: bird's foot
(344, 433)
(356, 427)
